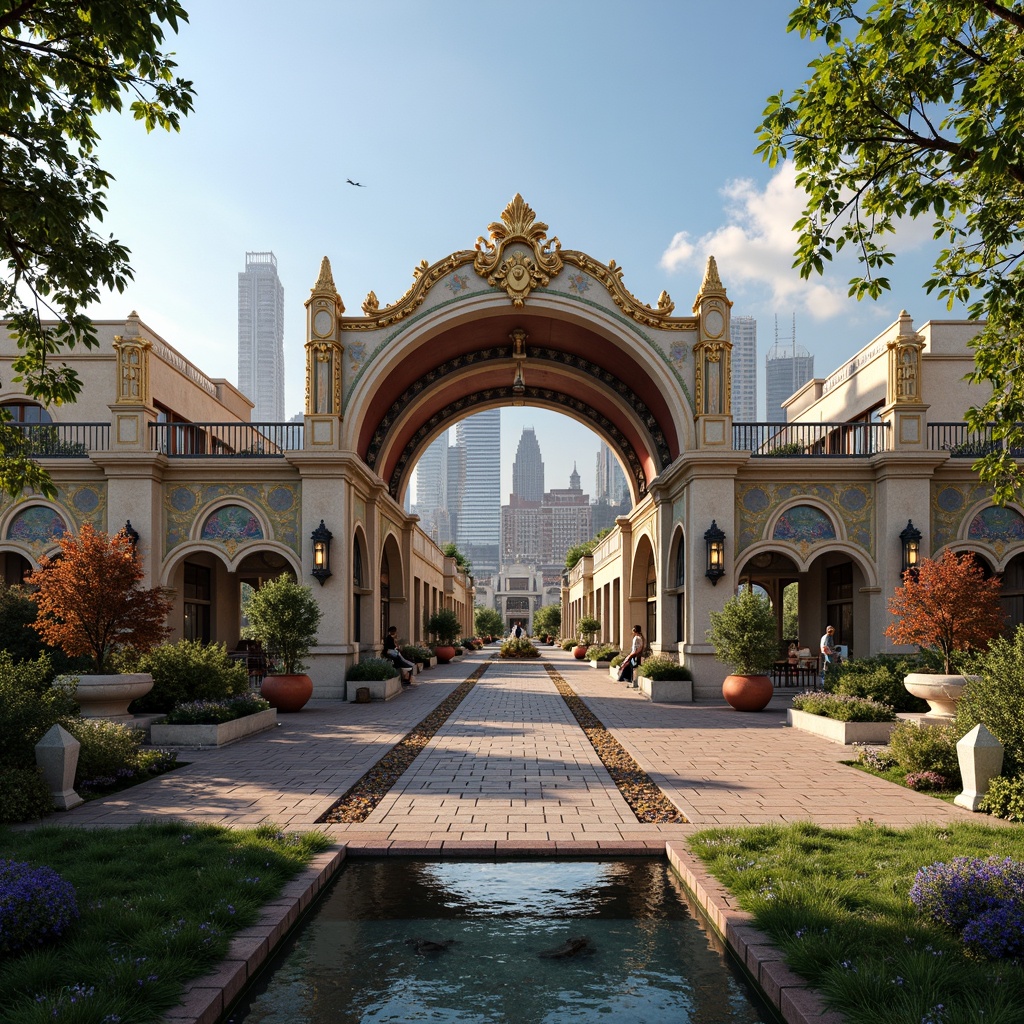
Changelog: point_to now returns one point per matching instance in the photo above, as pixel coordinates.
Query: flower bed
(665, 691)
(839, 731)
(216, 733)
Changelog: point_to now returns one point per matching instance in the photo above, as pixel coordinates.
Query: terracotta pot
(579, 651)
(941, 691)
(748, 693)
(287, 693)
(444, 654)
(108, 696)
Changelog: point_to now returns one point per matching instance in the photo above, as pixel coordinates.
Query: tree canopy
(916, 109)
(62, 64)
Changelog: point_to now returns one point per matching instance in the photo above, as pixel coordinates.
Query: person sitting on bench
(394, 655)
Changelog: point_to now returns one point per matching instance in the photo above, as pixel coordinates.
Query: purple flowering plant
(37, 906)
(926, 781)
(982, 900)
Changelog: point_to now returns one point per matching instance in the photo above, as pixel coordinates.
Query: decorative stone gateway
(840, 732)
(218, 734)
(380, 689)
(666, 691)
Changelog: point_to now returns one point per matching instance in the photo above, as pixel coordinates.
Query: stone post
(981, 758)
(57, 756)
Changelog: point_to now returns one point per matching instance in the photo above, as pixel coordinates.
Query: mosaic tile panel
(852, 504)
(951, 502)
(280, 504)
(38, 526)
(997, 526)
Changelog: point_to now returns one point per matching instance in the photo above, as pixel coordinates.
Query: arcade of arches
(517, 319)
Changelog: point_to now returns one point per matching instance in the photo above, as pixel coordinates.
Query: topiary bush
(996, 698)
(371, 669)
(24, 796)
(843, 708)
(29, 707)
(37, 906)
(660, 667)
(926, 749)
(1005, 798)
(879, 678)
(189, 671)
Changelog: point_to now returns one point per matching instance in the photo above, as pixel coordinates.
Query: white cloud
(756, 247)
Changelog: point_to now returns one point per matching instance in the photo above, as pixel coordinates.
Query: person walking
(632, 660)
(829, 651)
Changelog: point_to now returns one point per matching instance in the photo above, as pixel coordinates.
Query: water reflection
(366, 954)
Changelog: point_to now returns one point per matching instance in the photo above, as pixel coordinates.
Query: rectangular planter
(840, 732)
(218, 735)
(380, 689)
(613, 672)
(666, 691)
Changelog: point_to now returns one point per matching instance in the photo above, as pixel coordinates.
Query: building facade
(478, 489)
(744, 369)
(261, 337)
(787, 368)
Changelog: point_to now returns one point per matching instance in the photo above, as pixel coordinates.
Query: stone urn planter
(747, 692)
(941, 691)
(108, 696)
(579, 651)
(444, 653)
(287, 693)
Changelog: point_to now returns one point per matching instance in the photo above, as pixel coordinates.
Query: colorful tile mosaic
(39, 526)
(579, 283)
(805, 525)
(997, 526)
(951, 505)
(232, 524)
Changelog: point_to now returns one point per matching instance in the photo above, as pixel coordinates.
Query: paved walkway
(512, 771)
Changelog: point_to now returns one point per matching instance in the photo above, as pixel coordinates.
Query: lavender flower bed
(36, 906)
(980, 900)
(212, 712)
(843, 708)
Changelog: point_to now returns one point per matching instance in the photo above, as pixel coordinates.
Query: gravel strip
(645, 799)
(358, 802)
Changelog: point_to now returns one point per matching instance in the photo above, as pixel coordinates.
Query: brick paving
(512, 771)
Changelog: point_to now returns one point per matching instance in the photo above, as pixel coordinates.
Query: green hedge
(188, 671)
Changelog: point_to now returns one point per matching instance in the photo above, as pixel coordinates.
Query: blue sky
(628, 128)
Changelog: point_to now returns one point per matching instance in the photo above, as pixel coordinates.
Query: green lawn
(836, 902)
(158, 905)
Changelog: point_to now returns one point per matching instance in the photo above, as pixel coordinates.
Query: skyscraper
(478, 530)
(788, 367)
(744, 369)
(261, 337)
(431, 503)
(528, 468)
(611, 481)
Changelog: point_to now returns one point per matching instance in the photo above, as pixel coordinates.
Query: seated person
(394, 655)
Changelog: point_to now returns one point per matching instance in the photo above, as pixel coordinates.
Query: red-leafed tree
(91, 600)
(947, 605)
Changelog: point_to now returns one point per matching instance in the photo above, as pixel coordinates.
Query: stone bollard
(981, 758)
(57, 756)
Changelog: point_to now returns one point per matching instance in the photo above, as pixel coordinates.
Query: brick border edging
(791, 996)
(206, 998)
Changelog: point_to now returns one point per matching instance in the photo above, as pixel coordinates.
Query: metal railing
(225, 440)
(62, 440)
(963, 443)
(797, 440)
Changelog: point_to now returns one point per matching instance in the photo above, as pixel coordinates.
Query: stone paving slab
(509, 774)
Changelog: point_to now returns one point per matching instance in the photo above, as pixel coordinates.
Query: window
(26, 412)
(652, 602)
(197, 602)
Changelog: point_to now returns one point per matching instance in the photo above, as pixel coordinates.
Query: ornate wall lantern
(714, 539)
(132, 534)
(910, 540)
(321, 553)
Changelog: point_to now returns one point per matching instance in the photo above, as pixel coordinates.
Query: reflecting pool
(521, 942)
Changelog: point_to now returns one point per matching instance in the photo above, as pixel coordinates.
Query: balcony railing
(225, 440)
(63, 440)
(797, 440)
(964, 443)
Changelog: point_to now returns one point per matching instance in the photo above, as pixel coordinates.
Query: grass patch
(836, 902)
(158, 906)
(898, 775)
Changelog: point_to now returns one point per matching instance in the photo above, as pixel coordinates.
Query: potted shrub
(946, 606)
(586, 627)
(444, 627)
(745, 635)
(90, 601)
(284, 616)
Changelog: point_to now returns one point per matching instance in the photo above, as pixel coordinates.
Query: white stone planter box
(380, 689)
(218, 735)
(840, 732)
(597, 664)
(613, 672)
(666, 691)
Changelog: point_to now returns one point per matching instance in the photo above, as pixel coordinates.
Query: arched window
(26, 412)
(652, 601)
(680, 586)
(357, 591)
